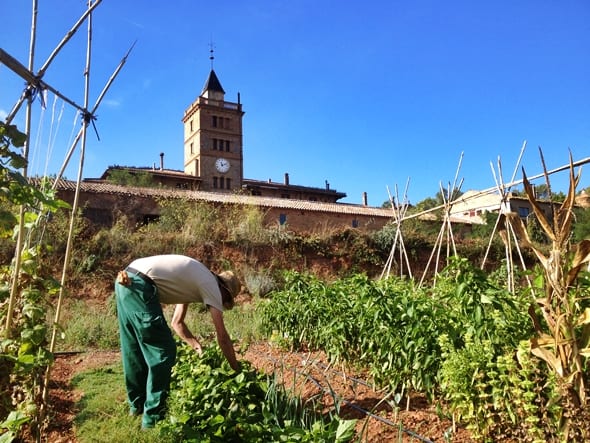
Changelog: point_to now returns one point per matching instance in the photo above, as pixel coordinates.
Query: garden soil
(306, 374)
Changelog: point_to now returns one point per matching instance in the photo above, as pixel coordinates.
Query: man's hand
(197, 347)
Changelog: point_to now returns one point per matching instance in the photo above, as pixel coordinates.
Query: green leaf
(345, 430)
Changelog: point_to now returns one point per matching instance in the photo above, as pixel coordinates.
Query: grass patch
(104, 413)
(88, 327)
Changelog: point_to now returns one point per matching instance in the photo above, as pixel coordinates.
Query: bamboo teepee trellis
(399, 212)
(507, 232)
(445, 234)
(34, 86)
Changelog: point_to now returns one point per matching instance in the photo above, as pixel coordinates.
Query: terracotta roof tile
(269, 202)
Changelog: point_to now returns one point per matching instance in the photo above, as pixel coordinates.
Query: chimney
(286, 178)
(161, 161)
(327, 185)
(365, 199)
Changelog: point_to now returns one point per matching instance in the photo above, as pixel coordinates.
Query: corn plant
(562, 334)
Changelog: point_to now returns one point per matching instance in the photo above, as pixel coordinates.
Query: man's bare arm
(223, 338)
(182, 329)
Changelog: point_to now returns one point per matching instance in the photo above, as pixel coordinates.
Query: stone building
(213, 154)
(213, 172)
(103, 203)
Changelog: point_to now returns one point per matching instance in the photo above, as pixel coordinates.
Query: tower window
(228, 183)
(220, 122)
(192, 147)
(191, 125)
(221, 182)
(221, 145)
(215, 182)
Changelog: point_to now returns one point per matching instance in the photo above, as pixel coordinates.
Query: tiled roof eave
(268, 202)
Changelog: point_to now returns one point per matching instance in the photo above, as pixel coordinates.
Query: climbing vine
(25, 294)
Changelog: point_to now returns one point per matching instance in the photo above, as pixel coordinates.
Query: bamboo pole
(36, 79)
(92, 112)
(75, 204)
(21, 221)
(446, 229)
(399, 211)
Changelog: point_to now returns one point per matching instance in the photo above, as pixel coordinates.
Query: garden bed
(305, 374)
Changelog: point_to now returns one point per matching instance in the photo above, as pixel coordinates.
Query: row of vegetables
(460, 342)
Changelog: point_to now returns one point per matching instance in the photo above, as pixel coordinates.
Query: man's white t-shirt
(180, 279)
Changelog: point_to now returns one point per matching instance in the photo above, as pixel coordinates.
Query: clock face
(222, 165)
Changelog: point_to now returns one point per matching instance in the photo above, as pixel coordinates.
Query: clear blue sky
(366, 95)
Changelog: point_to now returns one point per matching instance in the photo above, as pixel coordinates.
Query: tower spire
(211, 51)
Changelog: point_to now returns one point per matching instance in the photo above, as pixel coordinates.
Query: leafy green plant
(501, 396)
(386, 325)
(209, 402)
(25, 289)
(478, 306)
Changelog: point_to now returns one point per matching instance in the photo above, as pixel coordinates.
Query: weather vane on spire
(211, 50)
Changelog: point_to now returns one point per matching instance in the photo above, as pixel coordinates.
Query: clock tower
(213, 139)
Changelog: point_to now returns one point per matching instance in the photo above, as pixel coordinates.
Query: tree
(126, 178)
(581, 224)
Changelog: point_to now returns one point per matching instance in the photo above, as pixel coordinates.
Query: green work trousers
(148, 349)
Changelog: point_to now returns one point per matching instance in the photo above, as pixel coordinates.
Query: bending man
(148, 349)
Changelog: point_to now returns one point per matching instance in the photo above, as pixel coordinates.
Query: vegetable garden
(506, 362)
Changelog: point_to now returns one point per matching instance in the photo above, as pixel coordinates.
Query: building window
(220, 122)
(282, 219)
(227, 146)
(191, 124)
(355, 223)
(192, 148)
(228, 183)
(215, 182)
(523, 211)
(221, 183)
